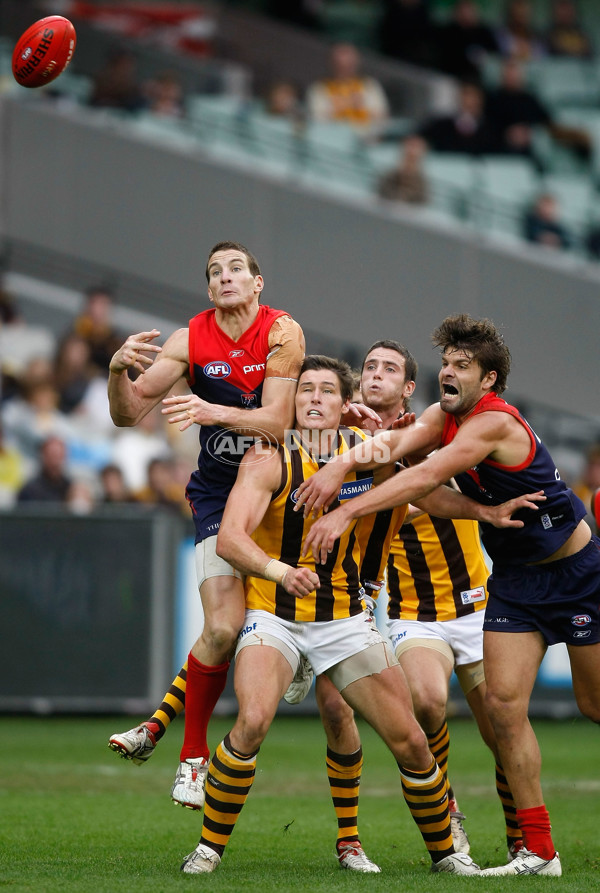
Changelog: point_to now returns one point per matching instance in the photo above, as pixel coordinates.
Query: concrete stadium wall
(352, 271)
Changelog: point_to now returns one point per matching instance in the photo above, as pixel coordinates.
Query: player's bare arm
(385, 448)
(258, 478)
(446, 502)
(159, 367)
(276, 414)
(474, 441)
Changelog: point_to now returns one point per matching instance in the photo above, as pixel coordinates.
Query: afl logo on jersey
(217, 370)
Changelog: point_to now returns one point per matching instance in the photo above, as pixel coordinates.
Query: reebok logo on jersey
(218, 369)
(236, 353)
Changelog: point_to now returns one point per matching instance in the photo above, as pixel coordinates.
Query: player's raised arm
(131, 400)
(382, 449)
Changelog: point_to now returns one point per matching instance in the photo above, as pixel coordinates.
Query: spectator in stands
(117, 85)
(542, 224)
(165, 95)
(589, 480)
(162, 488)
(566, 36)
(81, 497)
(12, 472)
(20, 343)
(51, 483)
(407, 32)
(283, 101)
(33, 415)
(95, 324)
(73, 371)
(517, 38)
(515, 111)
(407, 182)
(465, 41)
(134, 448)
(468, 130)
(348, 96)
(113, 487)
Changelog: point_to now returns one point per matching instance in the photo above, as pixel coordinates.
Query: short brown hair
(234, 246)
(340, 368)
(481, 340)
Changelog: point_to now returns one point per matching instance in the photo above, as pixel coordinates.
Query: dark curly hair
(481, 340)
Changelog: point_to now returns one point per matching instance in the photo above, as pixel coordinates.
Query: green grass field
(74, 817)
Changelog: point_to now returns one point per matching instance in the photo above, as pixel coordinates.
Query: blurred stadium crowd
(57, 440)
(522, 121)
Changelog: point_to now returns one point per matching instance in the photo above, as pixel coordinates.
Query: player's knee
(336, 715)
(220, 636)
(251, 728)
(503, 711)
(430, 713)
(589, 708)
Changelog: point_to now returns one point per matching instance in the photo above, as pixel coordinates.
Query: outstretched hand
(323, 534)
(501, 515)
(132, 354)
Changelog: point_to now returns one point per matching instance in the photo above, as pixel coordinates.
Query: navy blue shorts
(561, 600)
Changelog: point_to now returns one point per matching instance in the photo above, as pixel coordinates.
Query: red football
(43, 51)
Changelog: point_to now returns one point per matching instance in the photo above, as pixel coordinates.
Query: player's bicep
(259, 475)
(279, 394)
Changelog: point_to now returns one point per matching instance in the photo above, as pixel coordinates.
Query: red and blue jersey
(229, 373)
(491, 483)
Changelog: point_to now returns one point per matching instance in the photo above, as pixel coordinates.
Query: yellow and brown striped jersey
(375, 534)
(282, 531)
(436, 570)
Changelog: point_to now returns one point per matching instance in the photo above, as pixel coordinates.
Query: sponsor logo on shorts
(497, 620)
(247, 629)
(581, 619)
(398, 638)
(468, 596)
(546, 521)
(219, 369)
(582, 633)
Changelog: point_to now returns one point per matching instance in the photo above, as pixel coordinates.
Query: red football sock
(535, 825)
(203, 690)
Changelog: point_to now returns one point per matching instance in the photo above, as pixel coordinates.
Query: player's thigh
(585, 671)
(383, 700)
(427, 671)
(511, 662)
(261, 678)
(223, 602)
